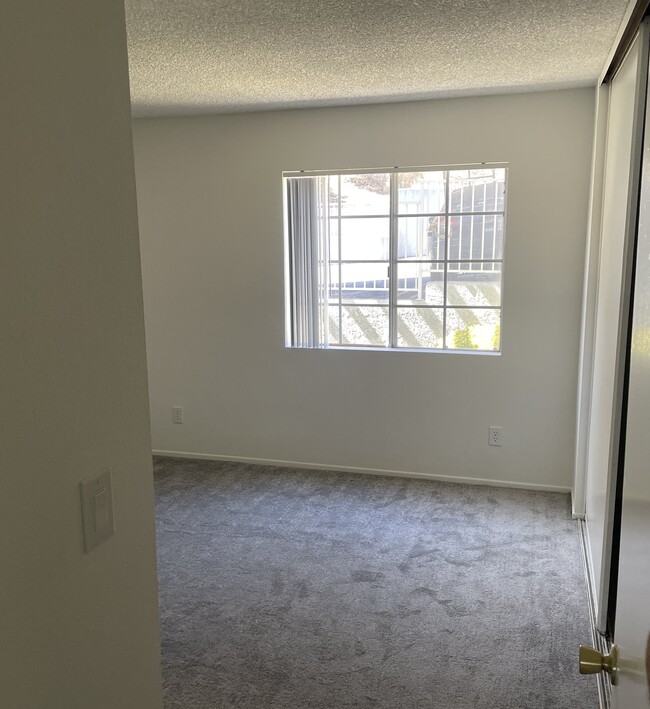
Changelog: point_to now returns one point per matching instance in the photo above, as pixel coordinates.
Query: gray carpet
(291, 589)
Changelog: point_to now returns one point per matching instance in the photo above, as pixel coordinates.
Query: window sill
(407, 350)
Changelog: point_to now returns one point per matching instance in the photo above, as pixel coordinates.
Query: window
(410, 258)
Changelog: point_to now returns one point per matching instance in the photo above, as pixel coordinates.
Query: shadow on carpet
(293, 589)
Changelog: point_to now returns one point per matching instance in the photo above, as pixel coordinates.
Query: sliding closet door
(633, 590)
(620, 198)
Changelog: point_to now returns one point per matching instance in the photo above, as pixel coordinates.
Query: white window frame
(394, 215)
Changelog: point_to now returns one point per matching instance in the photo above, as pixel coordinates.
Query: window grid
(393, 280)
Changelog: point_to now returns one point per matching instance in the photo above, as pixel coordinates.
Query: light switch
(97, 509)
(101, 510)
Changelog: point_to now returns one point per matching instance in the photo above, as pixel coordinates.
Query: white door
(619, 435)
(620, 194)
(632, 625)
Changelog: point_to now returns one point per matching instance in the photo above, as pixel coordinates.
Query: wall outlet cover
(495, 436)
(97, 509)
(177, 414)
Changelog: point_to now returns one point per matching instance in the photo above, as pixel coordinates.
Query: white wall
(76, 630)
(210, 206)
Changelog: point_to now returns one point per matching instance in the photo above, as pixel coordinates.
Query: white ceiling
(215, 56)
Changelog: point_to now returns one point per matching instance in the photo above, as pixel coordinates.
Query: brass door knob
(592, 661)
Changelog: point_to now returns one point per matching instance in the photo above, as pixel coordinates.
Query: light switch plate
(97, 509)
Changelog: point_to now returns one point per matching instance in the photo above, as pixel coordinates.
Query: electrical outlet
(177, 414)
(495, 436)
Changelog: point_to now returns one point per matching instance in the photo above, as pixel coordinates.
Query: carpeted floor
(292, 589)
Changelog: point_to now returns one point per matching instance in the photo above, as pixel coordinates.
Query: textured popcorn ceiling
(209, 56)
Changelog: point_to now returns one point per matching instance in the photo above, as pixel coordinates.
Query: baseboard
(598, 640)
(364, 471)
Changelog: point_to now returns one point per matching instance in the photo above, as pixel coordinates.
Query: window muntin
(404, 258)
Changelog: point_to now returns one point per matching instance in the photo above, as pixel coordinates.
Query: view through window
(407, 258)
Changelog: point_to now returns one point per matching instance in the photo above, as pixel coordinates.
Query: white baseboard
(365, 471)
